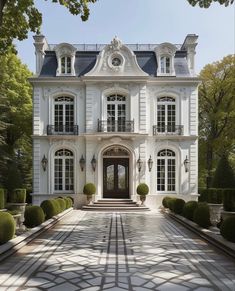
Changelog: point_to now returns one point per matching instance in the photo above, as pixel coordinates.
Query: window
(64, 115)
(165, 65)
(166, 115)
(166, 171)
(64, 170)
(116, 113)
(66, 65)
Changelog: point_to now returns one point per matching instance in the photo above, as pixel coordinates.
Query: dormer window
(165, 65)
(165, 54)
(66, 65)
(65, 54)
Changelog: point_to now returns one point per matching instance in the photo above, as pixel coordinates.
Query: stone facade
(122, 106)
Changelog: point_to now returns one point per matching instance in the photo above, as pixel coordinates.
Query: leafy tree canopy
(207, 3)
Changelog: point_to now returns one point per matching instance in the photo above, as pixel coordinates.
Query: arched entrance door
(116, 173)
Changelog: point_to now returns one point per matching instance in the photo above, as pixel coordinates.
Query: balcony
(168, 129)
(62, 129)
(115, 125)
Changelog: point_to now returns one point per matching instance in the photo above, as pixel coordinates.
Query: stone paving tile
(117, 252)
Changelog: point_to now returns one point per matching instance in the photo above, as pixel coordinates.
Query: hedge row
(214, 195)
(53, 207)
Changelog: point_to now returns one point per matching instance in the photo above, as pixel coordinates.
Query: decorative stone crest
(116, 44)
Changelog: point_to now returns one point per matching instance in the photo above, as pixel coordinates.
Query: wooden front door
(116, 178)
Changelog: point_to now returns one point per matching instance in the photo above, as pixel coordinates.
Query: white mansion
(115, 115)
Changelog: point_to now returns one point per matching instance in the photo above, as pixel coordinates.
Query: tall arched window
(166, 115)
(64, 115)
(63, 170)
(166, 171)
(65, 65)
(116, 113)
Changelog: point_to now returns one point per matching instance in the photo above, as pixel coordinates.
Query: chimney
(40, 46)
(189, 45)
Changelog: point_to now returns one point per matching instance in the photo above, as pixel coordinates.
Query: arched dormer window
(65, 54)
(63, 171)
(166, 171)
(165, 54)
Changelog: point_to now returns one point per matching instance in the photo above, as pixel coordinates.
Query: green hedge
(202, 215)
(178, 206)
(227, 229)
(49, 208)
(189, 208)
(62, 204)
(211, 195)
(69, 202)
(2, 198)
(165, 201)
(7, 227)
(34, 216)
(18, 196)
(229, 199)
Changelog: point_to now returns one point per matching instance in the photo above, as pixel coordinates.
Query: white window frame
(67, 69)
(165, 104)
(65, 50)
(164, 67)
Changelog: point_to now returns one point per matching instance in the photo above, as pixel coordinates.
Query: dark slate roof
(85, 61)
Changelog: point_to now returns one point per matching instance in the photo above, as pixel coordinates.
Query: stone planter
(3, 210)
(21, 208)
(142, 199)
(215, 213)
(226, 214)
(89, 199)
(17, 218)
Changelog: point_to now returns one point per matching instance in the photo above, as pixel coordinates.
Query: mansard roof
(85, 61)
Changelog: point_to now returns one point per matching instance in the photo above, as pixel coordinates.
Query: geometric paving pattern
(117, 252)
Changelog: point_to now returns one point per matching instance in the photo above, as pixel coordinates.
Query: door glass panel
(161, 118)
(121, 177)
(110, 177)
(111, 117)
(121, 117)
(161, 175)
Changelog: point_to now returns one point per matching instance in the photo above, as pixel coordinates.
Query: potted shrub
(89, 189)
(142, 190)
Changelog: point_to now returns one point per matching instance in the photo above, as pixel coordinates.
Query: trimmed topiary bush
(202, 215)
(227, 229)
(49, 208)
(68, 202)
(224, 175)
(57, 206)
(178, 205)
(189, 208)
(142, 189)
(7, 227)
(171, 203)
(165, 201)
(2, 198)
(33, 216)
(89, 189)
(18, 196)
(62, 203)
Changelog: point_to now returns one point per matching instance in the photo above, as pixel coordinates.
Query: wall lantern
(139, 164)
(82, 163)
(93, 163)
(186, 164)
(150, 163)
(44, 162)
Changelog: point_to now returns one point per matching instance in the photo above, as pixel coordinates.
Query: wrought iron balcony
(168, 129)
(115, 125)
(62, 129)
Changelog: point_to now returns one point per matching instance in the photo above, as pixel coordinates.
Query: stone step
(114, 205)
(112, 209)
(116, 202)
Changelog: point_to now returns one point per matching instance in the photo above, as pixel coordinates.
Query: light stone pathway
(117, 251)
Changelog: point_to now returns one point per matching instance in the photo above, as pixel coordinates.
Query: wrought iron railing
(168, 129)
(62, 129)
(115, 125)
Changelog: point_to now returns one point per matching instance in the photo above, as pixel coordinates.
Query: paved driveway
(113, 251)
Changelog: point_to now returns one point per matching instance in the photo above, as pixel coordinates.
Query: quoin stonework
(115, 115)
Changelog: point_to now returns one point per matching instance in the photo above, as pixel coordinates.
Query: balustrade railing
(115, 125)
(168, 129)
(62, 130)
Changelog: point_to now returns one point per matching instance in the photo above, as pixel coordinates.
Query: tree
(216, 113)
(207, 3)
(16, 118)
(224, 175)
(18, 17)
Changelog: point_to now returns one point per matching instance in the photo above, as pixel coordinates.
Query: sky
(139, 21)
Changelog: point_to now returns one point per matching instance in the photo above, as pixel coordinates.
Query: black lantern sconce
(44, 163)
(150, 163)
(139, 164)
(93, 163)
(186, 164)
(82, 163)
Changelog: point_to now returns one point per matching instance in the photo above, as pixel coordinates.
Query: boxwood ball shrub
(57, 206)
(165, 201)
(7, 227)
(34, 216)
(202, 215)
(18, 196)
(68, 202)
(227, 229)
(178, 205)
(2, 198)
(89, 189)
(62, 203)
(142, 189)
(189, 209)
(49, 208)
(171, 203)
